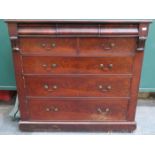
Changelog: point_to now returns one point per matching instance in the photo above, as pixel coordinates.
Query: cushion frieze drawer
(78, 86)
(73, 65)
(75, 109)
(75, 29)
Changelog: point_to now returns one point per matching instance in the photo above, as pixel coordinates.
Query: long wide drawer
(83, 110)
(79, 46)
(76, 65)
(78, 86)
(77, 110)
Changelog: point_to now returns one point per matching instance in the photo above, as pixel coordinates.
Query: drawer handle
(53, 109)
(104, 88)
(103, 111)
(48, 46)
(109, 46)
(43, 45)
(44, 65)
(106, 67)
(53, 45)
(52, 65)
(53, 88)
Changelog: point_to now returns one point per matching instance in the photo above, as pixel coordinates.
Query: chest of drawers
(77, 75)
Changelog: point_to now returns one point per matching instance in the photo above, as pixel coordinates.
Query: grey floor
(145, 118)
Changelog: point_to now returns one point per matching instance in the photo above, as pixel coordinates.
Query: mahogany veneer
(74, 65)
(78, 75)
(78, 86)
(78, 109)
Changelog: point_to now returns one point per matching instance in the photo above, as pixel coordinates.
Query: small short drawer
(76, 65)
(78, 86)
(49, 46)
(107, 46)
(77, 110)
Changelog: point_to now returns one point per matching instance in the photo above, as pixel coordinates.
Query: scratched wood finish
(77, 110)
(78, 75)
(73, 126)
(74, 65)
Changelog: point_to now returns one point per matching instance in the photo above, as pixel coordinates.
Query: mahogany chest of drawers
(78, 75)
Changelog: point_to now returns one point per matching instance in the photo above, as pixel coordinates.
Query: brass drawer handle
(52, 65)
(106, 67)
(43, 45)
(52, 109)
(105, 88)
(110, 66)
(108, 46)
(46, 86)
(53, 45)
(44, 65)
(53, 88)
(48, 109)
(103, 111)
(48, 46)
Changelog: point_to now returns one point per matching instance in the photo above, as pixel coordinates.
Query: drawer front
(53, 46)
(64, 65)
(107, 46)
(82, 47)
(78, 29)
(77, 110)
(78, 86)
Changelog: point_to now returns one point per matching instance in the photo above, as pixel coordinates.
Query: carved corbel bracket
(13, 31)
(14, 43)
(141, 44)
(143, 31)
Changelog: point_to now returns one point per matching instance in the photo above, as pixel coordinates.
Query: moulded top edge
(78, 21)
